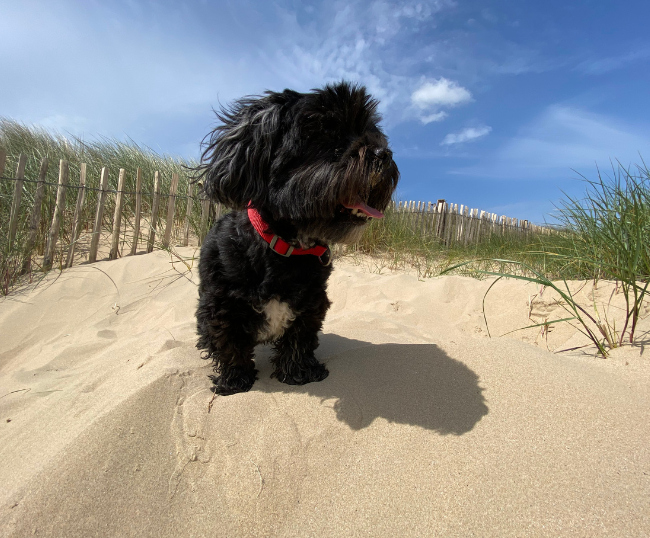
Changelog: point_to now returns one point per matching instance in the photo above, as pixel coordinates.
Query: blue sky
(492, 104)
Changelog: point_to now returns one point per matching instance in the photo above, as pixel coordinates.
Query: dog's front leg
(227, 331)
(294, 360)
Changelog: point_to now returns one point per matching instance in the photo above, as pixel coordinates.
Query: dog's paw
(233, 381)
(315, 372)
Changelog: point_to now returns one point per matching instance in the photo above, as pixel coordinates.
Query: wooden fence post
(190, 200)
(432, 219)
(97, 228)
(426, 219)
(449, 223)
(423, 219)
(117, 217)
(456, 221)
(50, 247)
(440, 225)
(154, 211)
(416, 224)
(205, 212)
(481, 227)
(466, 225)
(138, 210)
(35, 218)
(18, 194)
(76, 223)
(171, 206)
(473, 235)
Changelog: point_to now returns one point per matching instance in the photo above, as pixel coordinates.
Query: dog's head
(315, 165)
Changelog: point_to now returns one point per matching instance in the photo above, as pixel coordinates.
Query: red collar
(279, 245)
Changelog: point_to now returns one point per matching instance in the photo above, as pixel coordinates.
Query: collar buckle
(273, 243)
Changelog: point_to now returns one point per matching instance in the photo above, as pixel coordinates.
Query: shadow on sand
(417, 384)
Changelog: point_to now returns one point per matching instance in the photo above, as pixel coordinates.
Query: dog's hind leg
(229, 342)
(294, 360)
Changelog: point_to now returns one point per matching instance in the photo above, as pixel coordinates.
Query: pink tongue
(364, 208)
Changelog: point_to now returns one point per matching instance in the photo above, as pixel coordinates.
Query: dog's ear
(237, 156)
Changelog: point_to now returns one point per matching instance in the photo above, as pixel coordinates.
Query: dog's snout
(383, 153)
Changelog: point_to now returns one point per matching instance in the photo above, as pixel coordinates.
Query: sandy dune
(425, 426)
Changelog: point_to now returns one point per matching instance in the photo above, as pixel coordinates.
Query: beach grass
(603, 235)
(38, 143)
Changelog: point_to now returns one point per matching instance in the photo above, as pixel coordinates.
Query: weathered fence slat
(422, 218)
(117, 217)
(466, 223)
(454, 224)
(138, 210)
(418, 215)
(473, 235)
(205, 213)
(154, 211)
(35, 218)
(50, 247)
(449, 225)
(99, 215)
(18, 194)
(188, 212)
(481, 225)
(431, 225)
(426, 220)
(171, 206)
(76, 222)
(439, 218)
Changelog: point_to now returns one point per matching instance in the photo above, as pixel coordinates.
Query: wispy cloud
(600, 66)
(466, 135)
(357, 40)
(563, 138)
(436, 116)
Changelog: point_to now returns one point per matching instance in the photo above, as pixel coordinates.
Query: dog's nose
(383, 153)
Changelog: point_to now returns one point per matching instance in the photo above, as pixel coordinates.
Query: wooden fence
(124, 237)
(453, 224)
(448, 222)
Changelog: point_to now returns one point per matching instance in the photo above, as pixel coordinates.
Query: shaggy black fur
(299, 159)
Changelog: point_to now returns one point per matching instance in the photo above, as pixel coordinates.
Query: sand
(424, 427)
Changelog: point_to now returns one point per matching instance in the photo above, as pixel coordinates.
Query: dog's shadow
(417, 384)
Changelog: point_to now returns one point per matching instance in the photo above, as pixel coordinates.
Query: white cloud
(441, 93)
(466, 135)
(430, 97)
(436, 116)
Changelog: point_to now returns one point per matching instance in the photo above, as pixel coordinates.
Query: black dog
(301, 171)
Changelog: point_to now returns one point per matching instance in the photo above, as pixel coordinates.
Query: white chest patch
(278, 317)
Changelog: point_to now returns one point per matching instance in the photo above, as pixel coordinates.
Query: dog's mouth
(360, 211)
